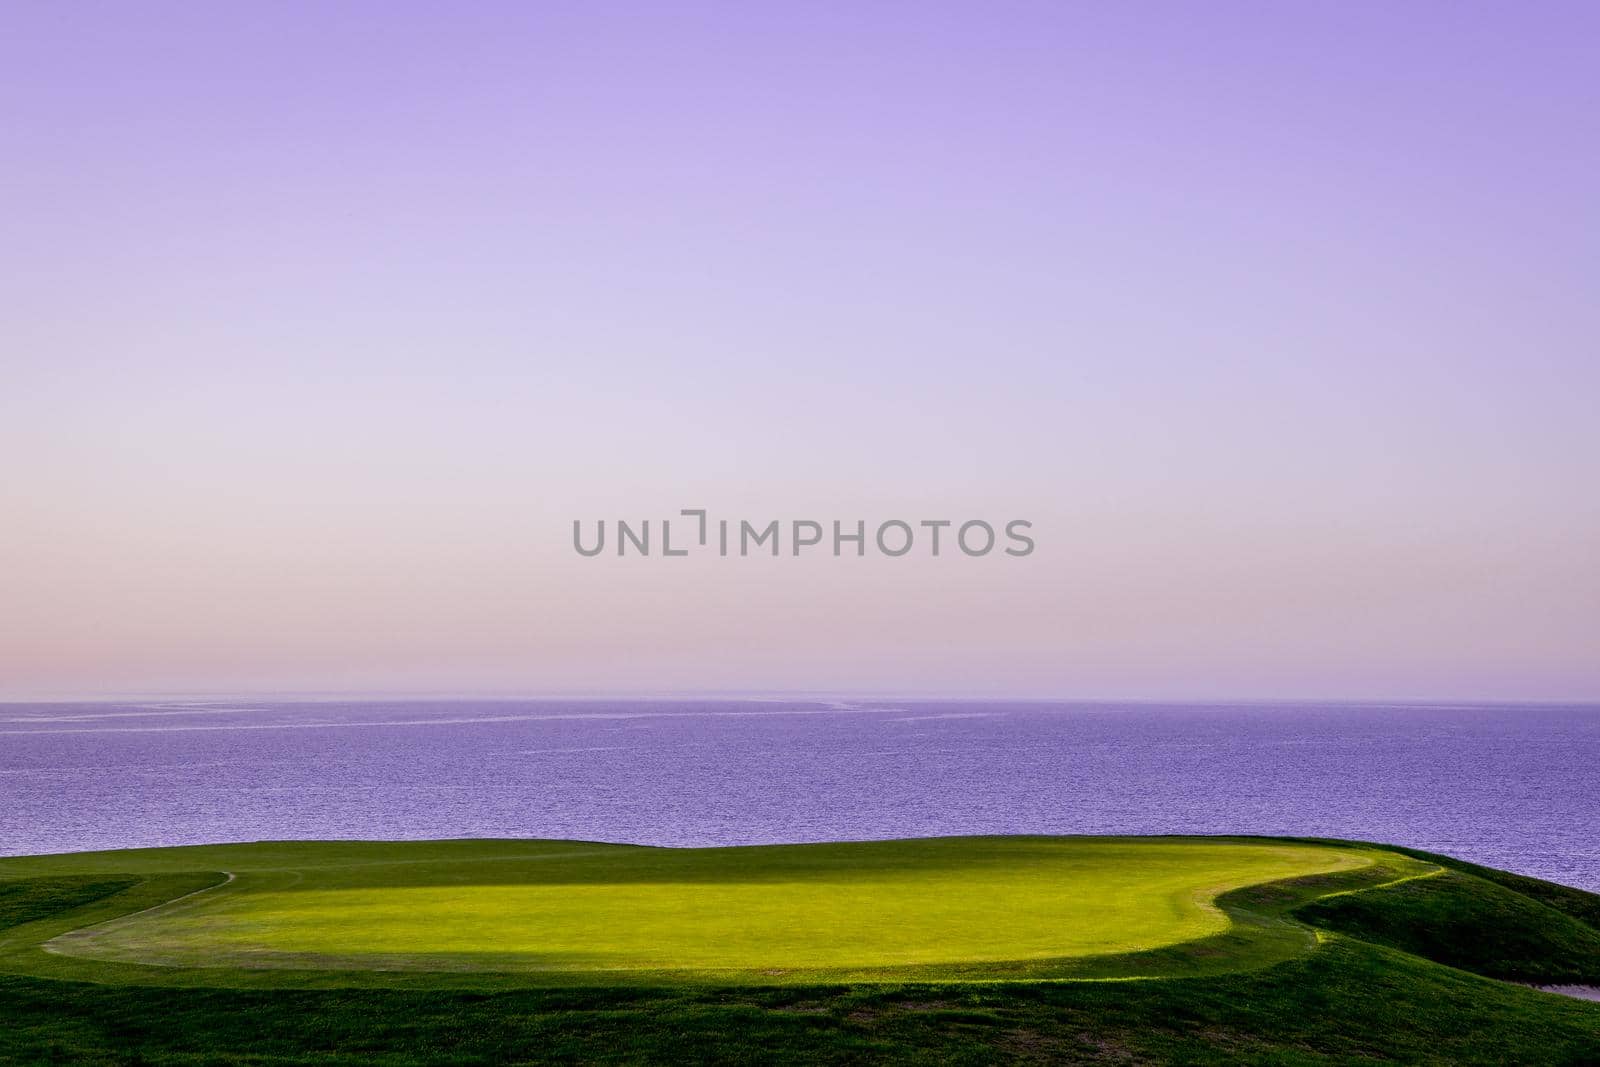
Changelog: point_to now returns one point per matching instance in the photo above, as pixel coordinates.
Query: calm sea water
(1513, 787)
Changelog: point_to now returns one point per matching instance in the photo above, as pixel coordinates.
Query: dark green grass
(1585, 907)
(1471, 923)
(1356, 998)
(39, 898)
(1348, 1003)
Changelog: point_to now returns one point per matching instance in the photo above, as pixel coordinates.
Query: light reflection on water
(1513, 787)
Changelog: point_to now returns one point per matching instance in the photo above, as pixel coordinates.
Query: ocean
(1516, 787)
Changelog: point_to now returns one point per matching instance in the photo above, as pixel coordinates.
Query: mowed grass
(1372, 963)
(951, 907)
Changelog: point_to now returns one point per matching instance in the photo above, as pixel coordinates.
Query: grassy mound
(952, 907)
(1468, 922)
(1581, 905)
(565, 912)
(1341, 966)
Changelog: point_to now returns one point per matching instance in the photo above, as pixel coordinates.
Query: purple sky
(321, 322)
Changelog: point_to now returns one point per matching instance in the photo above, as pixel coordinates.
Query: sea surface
(1516, 787)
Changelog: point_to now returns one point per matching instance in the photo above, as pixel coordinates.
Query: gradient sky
(320, 323)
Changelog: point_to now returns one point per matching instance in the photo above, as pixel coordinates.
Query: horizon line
(765, 695)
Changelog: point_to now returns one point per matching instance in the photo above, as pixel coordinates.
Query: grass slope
(1471, 923)
(1337, 998)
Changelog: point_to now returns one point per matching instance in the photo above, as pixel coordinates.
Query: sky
(320, 324)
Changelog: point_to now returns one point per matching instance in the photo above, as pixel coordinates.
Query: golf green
(950, 908)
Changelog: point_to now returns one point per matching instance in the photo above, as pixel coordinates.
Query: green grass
(566, 912)
(1243, 950)
(1470, 923)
